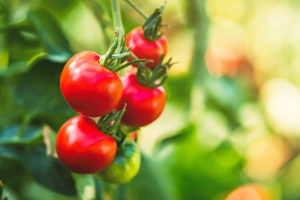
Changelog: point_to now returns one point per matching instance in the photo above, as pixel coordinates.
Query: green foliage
(198, 172)
(50, 105)
(30, 97)
(50, 34)
(47, 171)
(149, 183)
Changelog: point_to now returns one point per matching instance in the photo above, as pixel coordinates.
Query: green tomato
(125, 165)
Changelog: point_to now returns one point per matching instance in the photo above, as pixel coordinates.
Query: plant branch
(198, 72)
(118, 26)
(137, 9)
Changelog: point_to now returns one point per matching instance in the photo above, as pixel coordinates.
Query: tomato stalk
(153, 23)
(110, 122)
(153, 78)
(111, 125)
(117, 21)
(113, 61)
(118, 53)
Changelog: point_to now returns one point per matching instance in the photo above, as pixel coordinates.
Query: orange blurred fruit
(133, 135)
(249, 192)
(223, 61)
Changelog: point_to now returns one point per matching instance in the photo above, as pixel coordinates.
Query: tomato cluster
(90, 86)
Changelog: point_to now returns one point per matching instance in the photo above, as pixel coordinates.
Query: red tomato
(82, 147)
(88, 87)
(248, 192)
(144, 105)
(146, 49)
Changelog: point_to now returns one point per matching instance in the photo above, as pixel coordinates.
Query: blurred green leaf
(12, 173)
(225, 92)
(60, 7)
(9, 110)
(31, 135)
(51, 34)
(47, 171)
(16, 26)
(85, 186)
(148, 184)
(196, 172)
(21, 66)
(178, 136)
(227, 95)
(181, 83)
(38, 92)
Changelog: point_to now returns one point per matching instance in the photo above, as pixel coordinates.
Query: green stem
(200, 23)
(98, 12)
(117, 20)
(137, 9)
(198, 71)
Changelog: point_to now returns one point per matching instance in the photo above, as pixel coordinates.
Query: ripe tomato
(248, 192)
(125, 165)
(146, 49)
(88, 87)
(82, 147)
(144, 105)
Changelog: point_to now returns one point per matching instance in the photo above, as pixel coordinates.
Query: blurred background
(233, 110)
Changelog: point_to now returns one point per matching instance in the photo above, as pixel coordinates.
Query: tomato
(88, 87)
(82, 147)
(143, 104)
(125, 165)
(146, 49)
(223, 60)
(248, 192)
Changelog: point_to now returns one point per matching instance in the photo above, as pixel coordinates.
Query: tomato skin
(125, 165)
(143, 104)
(82, 147)
(146, 49)
(88, 87)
